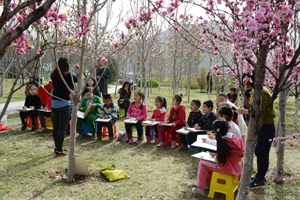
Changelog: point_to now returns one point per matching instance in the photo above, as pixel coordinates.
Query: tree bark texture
(296, 112)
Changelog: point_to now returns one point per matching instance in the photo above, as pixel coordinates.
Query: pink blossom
(67, 39)
(218, 73)
(297, 70)
(20, 51)
(87, 29)
(181, 16)
(219, 1)
(127, 25)
(172, 15)
(13, 5)
(38, 52)
(113, 0)
(176, 28)
(205, 22)
(116, 45)
(20, 18)
(260, 16)
(236, 10)
(175, 4)
(252, 26)
(103, 59)
(12, 29)
(216, 53)
(164, 13)
(170, 9)
(47, 27)
(153, 10)
(84, 18)
(62, 17)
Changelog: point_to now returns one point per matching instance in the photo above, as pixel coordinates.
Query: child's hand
(31, 107)
(150, 119)
(204, 139)
(173, 124)
(138, 118)
(101, 117)
(187, 126)
(93, 105)
(25, 107)
(197, 127)
(105, 117)
(212, 137)
(212, 154)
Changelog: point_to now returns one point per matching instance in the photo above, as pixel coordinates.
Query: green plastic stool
(136, 134)
(121, 112)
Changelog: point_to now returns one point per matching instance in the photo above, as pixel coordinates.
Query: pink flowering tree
(255, 29)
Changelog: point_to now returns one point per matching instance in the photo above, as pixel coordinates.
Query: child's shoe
(111, 139)
(93, 136)
(256, 183)
(148, 139)
(42, 130)
(33, 128)
(162, 144)
(130, 141)
(173, 144)
(183, 147)
(138, 141)
(60, 153)
(253, 177)
(193, 150)
(23, 127)
(80, 137)
(156, 141)
(195, 190)
(65, 150)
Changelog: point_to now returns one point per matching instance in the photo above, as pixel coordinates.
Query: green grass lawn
(29, 170)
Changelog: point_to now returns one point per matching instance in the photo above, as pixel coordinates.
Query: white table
(204, 156)
(166, 124)
(102, 120)
(130, 121)
(200, 143)
(42, 110)
(24, 110)
(150, 123)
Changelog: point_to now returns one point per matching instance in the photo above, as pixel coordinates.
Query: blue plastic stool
(86, 128)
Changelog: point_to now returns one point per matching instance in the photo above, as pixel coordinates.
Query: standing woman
(61, 109)
(267, 132)
(104, 73)
(125, 94)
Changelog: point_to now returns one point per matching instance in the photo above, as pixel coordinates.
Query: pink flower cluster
(20, 44)
(83, 21)
(145, 15)
(131, 21)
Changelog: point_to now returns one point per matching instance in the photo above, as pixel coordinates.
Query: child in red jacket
(159, 114)
(230, 151)
(177, 118)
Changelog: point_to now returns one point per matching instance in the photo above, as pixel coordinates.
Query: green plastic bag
(112, 173)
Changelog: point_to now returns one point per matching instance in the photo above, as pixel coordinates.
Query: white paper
(166, 124)
(80, 114)
(183, 131)
(194, 130)
(200, 143)
(150, 123)
(42, 110)
(204, 156)
(130, 121)
(102, 120)
(24, 110)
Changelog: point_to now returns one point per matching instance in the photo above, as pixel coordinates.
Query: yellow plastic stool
(48, 123)
(228, 188)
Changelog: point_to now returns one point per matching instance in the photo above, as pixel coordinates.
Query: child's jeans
(139, 128)
(171, 129)
(32, 114)
(109, 126)
(191, 137)
(205, 169)
(156, 128)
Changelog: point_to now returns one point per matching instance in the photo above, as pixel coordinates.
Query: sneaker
(195, 190)
(111, 139)
(23, 127)
(65, 150)
(193, 150)
(206, 186)
(60, 153)
(254, 177)
(256, 183)
(173, 144)
(148, 139)
(33, 128)
(162, 144)
(183, 147)
(130, 141)
(93, 136)
(80, 137)
(156, 141)
(42, 130)
(138, 142)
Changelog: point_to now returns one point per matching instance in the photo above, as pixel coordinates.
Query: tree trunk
(2, 88)
(282, 131)
(254, 125)
(296, 112)
(159, 81)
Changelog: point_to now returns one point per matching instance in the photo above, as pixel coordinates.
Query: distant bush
(154, 82)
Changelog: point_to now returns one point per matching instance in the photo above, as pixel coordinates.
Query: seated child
(159, 114)
(137, 110)
(230, 115)
(46, 114)
(90, 100)
(177, 118)
(194, 118)
(230, 151)
(107, 111)
(32, 101)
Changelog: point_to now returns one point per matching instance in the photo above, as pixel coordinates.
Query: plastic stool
(86, 128)
(169, 139)
(136, 135)
(121, 112)
(229, 188)
(105, 131)
(29, 122)
(48, 123)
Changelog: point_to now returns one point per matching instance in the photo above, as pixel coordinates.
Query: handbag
(121, 103)
(112, 173)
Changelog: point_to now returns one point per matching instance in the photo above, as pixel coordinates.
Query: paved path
(13, 106)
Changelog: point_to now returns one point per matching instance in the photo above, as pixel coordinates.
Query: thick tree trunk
(2, 88)
(254, 126)
(282, 131)
(296, 112)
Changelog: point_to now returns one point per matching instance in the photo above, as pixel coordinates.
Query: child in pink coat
(230, 151)
(159, 114)
(137, 110)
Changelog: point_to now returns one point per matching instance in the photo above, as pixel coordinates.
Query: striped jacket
(109, 111)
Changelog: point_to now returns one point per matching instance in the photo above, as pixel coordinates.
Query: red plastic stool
(169, 139)
(29, 122)
(105, 131)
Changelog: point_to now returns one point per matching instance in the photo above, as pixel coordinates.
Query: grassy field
(29, 170)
